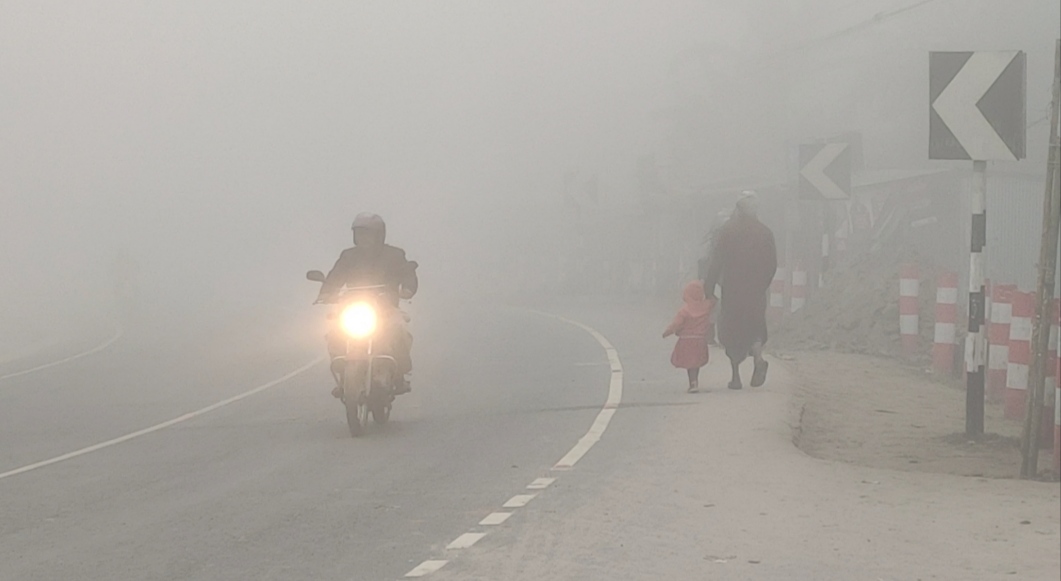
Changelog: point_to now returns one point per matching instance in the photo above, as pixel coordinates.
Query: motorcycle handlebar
(337, 297)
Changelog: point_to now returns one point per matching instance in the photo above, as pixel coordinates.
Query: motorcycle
(366, 374)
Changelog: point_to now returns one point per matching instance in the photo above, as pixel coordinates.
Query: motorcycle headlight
(359, 320)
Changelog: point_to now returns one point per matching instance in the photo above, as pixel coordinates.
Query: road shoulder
(691, 485)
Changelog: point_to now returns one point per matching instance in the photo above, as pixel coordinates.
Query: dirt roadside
(877, 412)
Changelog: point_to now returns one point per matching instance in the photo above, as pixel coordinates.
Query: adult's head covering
(372, 222)
(748, 204)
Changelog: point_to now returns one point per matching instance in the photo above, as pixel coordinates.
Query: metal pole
(791, 223)
(1045, 291)
(975, 344)
(826, 225)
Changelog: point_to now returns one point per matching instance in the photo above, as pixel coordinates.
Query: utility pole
(1045, 288)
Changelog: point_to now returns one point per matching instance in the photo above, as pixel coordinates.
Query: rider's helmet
(748, 204)
(370, 222)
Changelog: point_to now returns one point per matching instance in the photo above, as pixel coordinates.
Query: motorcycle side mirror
(315, 276)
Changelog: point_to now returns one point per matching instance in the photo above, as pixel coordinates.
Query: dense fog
(225, 147)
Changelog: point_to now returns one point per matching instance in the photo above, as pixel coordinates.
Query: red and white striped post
(946, 323)
(799, 288)
(1020, 355)
(909, 307)
(776, 310)
(998, 335)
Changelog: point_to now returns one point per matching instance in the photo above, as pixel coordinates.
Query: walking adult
(743, 262)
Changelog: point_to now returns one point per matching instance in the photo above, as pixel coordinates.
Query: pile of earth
(857, 311)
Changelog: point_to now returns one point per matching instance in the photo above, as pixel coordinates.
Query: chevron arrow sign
(825, 171)
(977, 105)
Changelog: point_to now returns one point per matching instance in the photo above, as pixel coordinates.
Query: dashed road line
(495, 518)
(426, 568)
(519, 501)
(540, 483)
(466, 540)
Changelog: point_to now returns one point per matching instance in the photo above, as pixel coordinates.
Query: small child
(690, 325)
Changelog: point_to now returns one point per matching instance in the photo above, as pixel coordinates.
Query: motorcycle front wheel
(354, 398)
(380, 397)
(381, 414)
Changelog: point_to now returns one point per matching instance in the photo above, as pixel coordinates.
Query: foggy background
(226, 146)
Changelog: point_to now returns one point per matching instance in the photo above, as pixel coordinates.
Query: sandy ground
(710, 486)
(876, 412)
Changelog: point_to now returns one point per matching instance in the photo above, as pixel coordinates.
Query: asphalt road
(271, 486)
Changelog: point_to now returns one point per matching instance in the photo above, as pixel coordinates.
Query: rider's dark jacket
(382, 265)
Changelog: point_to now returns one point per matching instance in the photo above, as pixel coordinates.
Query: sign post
(977, 112)
(825, 175)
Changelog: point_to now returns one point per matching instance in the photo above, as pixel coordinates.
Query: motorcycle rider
(371, 261)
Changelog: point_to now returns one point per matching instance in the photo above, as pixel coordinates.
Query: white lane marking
(157, 427)
(466, 540)
(615, 397)
(540, 483)
(615, 387)
(117, 335)
(495, 518)
(519, 501)
(611, 405)
(426, 568)
(588, 441)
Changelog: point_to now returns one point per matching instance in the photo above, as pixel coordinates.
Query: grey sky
(225, 139)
